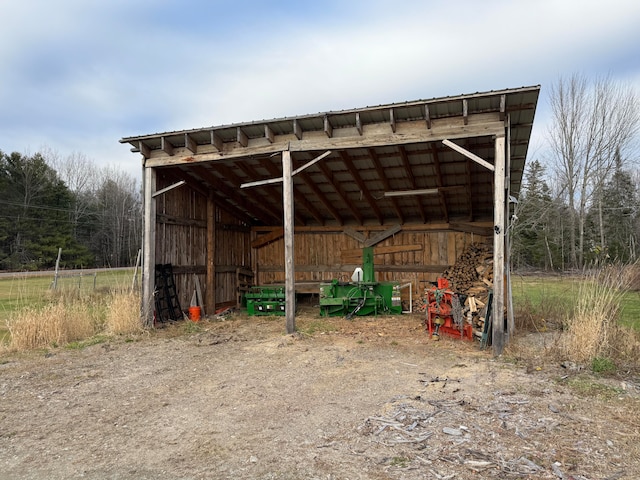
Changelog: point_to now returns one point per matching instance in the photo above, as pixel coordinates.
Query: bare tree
(119, 205)
(79, 174)
(590, 122)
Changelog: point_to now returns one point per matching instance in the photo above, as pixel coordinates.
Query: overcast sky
(78, 75)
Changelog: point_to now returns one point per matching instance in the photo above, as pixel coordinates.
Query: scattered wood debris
(438, 433)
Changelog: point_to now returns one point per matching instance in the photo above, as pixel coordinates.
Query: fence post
(55, 276)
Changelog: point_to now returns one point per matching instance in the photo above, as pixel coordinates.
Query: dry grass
(68, 318)
(593, 330)
(123, 314)
(52, 325)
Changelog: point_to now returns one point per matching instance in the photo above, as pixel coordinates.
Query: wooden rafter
(230, 175)
(306, 178)
(427, 116)
(144, 149)
(270, 192)
(269, 134)
(166, 146)
(241, 137)
(385, 182)
(465, 111)
(328, 129)
(220, 200)
(348, 161)
(297, 129)
(327, 173)
(409, 171)
(216, 141)
(190, 144)
(467, 168)
(299, 197)
(439, 182)
(218, 186)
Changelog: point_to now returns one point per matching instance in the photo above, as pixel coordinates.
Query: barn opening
(293, 201)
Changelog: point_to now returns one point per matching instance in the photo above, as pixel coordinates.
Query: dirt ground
(371, 398)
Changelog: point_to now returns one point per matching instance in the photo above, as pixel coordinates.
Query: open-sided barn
(293, 200)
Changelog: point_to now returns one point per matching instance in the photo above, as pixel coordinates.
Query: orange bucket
(194, 314)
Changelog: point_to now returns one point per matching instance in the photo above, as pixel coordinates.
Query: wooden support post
(498, 330)
(210, 287)
(511, 323)
(289, 267)
(148, 248)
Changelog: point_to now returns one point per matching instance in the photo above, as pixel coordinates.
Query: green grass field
(19, 292)
(551, 296)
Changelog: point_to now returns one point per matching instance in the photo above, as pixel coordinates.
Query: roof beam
(190, 144)
(231, 176)
(348, 161)
(273, 170)
(271, 193)
(297, 129)
(220, 200)
(217, 186)
(166, 146)
(306, 178)
(465, 111)
(145, 150)
(375, 135)
(385, 182)
(439, 182)
(268, 133)
(382, 236)
(327, 173)
(427, 116)
(216, 141)
(241, 137)
(328, 129)
(467, 167)
(294, 173)
(409, 172)
(468, 154)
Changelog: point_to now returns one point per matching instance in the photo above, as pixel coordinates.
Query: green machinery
(265, 300)
(362, 296)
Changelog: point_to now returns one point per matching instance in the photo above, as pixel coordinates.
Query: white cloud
(80, 75)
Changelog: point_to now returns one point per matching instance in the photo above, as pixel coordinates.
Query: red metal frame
(440, 305)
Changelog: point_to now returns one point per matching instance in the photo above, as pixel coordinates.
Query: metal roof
(374, 150)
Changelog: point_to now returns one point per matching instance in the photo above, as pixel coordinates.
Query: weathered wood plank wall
(321, 256)
(181, 240)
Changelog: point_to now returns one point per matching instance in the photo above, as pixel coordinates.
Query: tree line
(49, 202)
(580, 202)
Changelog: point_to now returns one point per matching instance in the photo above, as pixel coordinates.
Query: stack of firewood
(472, 276)
(473, 270)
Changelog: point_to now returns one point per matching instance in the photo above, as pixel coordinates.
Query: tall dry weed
(592, 329)
(52, 325)
(123, 313)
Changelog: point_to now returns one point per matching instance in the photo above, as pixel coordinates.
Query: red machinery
(441, 313)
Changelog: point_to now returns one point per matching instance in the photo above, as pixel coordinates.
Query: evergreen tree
(36, 207)
(614, 239)
(537, 235)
